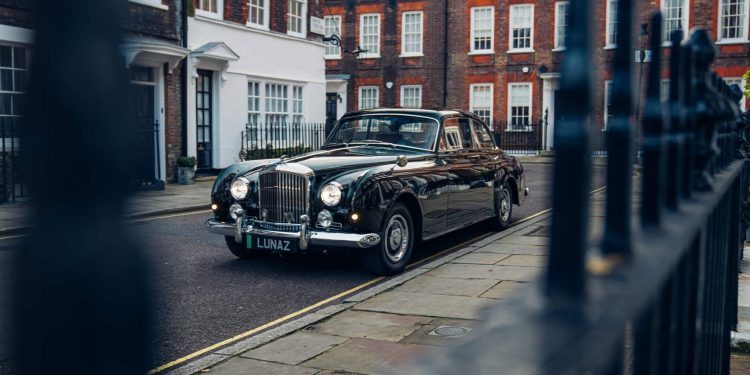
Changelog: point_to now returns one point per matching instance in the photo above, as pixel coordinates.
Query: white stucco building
(254, 66)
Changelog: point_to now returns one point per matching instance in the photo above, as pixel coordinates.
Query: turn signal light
(355, 217)
(214, 206)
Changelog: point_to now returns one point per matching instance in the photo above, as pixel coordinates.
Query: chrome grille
(283, 195)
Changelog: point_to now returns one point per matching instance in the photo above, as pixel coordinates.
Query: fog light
(264, 215)
(234, 210)
(325, 218)
(214, 206)
(355, 217)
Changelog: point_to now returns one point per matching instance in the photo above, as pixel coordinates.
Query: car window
(483, 136)
(451, 135)
(404, 130)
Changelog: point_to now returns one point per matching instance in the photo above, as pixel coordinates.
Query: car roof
(433, 113)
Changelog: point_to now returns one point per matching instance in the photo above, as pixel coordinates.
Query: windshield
(402, 130)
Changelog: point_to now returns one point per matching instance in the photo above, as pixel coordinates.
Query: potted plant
(186, 170)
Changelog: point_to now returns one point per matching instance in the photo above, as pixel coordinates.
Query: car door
(486, 165)
(467, 194)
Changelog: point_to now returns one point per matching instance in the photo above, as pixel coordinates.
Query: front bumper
(304, 235)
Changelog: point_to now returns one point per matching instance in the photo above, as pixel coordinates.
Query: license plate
(270, 243)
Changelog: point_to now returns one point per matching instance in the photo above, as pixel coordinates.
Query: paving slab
(370, 325)
(447, 286)
(422, 336)
(487, 272)
(481, 258)
(525, 240)
(367, 356)
(239, 365)
(425, 304)
(502, 248)
(502, 290)
(295, 348)
(524, 261)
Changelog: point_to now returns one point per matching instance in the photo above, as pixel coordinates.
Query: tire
(503, 204)
(394, 251)
(240, 251)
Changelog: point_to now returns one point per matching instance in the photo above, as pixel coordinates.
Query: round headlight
(325, 218)
(239, 188)
(331, 194)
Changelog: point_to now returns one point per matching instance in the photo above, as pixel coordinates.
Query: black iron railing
(663, 283)
(526, 139)
(273, 140)
(11, 187)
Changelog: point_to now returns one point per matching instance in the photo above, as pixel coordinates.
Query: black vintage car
(384, 180)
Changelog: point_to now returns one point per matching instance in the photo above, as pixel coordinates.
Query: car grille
(283, 196)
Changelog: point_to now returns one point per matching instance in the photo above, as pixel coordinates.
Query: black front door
(146, 169)
(331, 108)
(204, 117)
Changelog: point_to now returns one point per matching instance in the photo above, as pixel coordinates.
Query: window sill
(482, 52)
(151, 4)
(610, 46)
(296, 35)
(366, 57)
(411, 55)
(213, 16)
(333, 57)
(519, 129)
(257, 26)
(525, 50)
(559, 49)
(732, 41)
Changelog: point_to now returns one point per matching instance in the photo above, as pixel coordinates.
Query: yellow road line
(269, 324)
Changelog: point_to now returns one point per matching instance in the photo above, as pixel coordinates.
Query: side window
(452, 135)
(465, 129)
(484, 138)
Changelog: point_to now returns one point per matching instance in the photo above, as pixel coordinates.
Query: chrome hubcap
(397, 235)
(504, 205)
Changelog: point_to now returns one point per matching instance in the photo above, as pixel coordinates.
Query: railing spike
(653, 191)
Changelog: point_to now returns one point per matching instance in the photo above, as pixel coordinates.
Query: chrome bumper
(305, 236)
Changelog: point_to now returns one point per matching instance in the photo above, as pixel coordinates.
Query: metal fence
(273, 140)
(521, 139)
(11, 187)
(665, 287)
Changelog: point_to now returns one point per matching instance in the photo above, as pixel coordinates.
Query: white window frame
(294, 114)
(266, 16)
(411, 87)
(376, 98)
(403, 34)
(337, 31)
(605, 112)
(152, 3)
(302, 32)
(742, 38)
(219, 14)
(509, 127)
(491, 86)
(370, 54)
(685, 21)
(559, 5)
(511, 26)
(472, 32)
(742, 87)
(610, 35)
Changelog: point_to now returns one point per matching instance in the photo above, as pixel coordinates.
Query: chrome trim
(239, 213)
(305, 236)
(283, 194)
(295, 168)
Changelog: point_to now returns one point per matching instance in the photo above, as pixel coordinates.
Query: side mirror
(401, 161)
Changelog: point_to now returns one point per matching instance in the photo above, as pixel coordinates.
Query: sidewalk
(174, 198)
(384, 329)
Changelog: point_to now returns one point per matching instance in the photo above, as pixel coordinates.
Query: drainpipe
(183, 101)
(445, 56)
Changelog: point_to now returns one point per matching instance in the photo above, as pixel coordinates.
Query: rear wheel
(394, 251)
(240, 251)
(503, 206)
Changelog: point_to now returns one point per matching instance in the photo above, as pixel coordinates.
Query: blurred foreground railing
(664, 284)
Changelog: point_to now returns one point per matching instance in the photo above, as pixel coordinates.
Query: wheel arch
(411, 202)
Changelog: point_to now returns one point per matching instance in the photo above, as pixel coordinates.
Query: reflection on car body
(385, 180)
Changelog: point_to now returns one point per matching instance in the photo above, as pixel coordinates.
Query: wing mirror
(401, 161)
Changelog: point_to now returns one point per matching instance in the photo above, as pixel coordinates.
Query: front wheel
(240, 251)
(503, 206)
(394, 251)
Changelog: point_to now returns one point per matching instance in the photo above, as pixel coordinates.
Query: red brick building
(503, 56)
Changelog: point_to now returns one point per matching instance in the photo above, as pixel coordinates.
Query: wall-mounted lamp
(389, 85)
(525, 69)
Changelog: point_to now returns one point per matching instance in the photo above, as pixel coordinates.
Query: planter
(185, 175)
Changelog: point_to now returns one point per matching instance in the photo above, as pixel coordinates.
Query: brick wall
(16, 13)
(151, 22)
(173, 115)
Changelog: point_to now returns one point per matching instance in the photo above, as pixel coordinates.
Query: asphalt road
(203, 294)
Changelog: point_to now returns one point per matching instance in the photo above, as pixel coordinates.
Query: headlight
(331, 194)
(239, 188)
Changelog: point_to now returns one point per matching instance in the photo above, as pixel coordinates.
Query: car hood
(349, 158)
